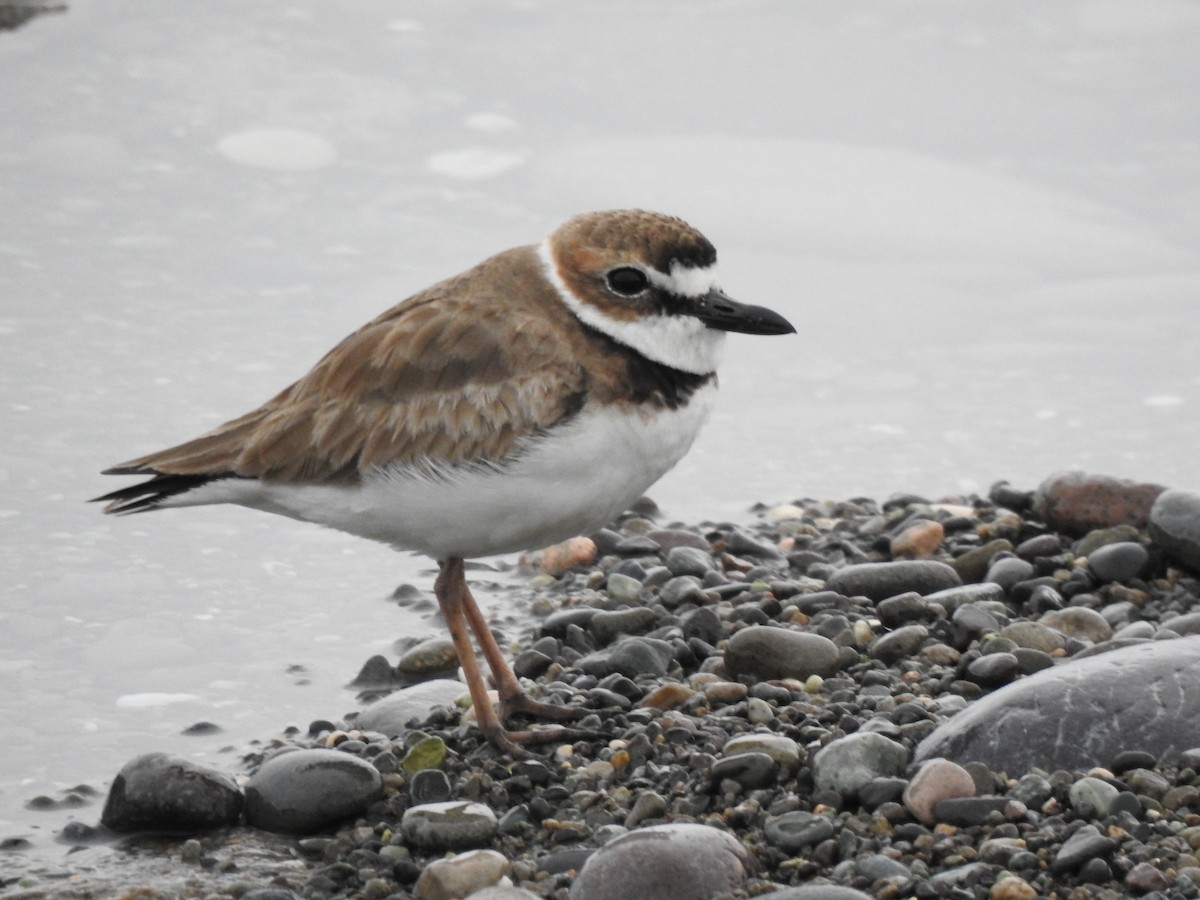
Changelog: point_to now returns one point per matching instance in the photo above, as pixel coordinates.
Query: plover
(529, 399)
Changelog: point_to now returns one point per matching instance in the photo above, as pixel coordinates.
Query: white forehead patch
(681, 342)
(685, 281)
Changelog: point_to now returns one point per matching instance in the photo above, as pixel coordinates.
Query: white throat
(681, 342)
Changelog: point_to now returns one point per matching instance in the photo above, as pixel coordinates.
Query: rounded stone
(1175, 526)
(1082, 713)
(159, 792)
(1009, 571)
(1078, 622)
(846, 764)
(750, 769)
(1034, 636)
(302, 791)
(462, 875)
(451, 825)
(820, 892)
(783, 750)
(793, 831)
(994, 669)
(685, 560)
(665, 862)
(878, 581)
(920, 540)
(391, 715)
(767, 652)
(936, 780)
(435, 654)
(1122, 561)
(898, 644)
(608, 625)
(1095, 793)
(1076, 502)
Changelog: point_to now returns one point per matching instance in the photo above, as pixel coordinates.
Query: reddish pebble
(918, 541)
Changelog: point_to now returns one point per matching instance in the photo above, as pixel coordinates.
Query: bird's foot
(513, 743)
(555, 712)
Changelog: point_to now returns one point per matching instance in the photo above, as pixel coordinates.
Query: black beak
(717, 311)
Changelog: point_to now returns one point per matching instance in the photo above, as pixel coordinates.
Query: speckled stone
(665, 862)
(1082, 713)
(1077, 502)
(452, 825)
(160, 792)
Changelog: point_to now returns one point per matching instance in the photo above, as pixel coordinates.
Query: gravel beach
(970, 697)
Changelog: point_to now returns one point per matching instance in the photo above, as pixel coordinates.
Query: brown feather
(455, 374)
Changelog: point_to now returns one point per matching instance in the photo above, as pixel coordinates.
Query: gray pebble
(453, 825)
(794, 831)
(1086, 843)
(689, 561)
(898, 644)
(993, 669)
(607, 625)
(846, 764)
(392, 714)
(1008, 571)
(751, 770)
(768, 652)
(1175, 526)
(878, 581)
(1122, 561)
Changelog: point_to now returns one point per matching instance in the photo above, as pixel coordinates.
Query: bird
(527, 400)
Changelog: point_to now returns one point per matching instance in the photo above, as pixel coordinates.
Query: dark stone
(763, 651)
(302, 791)
(429, 786)
(1082, 713)
(1175, 526)
(966, 812)
(750, 770)
(878, 581)
(794, 831)
(1085, 844)
(1118, 562)
(158, 792)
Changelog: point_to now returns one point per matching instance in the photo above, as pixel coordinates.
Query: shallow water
(982, 220)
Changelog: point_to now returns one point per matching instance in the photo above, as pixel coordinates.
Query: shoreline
(697, 731)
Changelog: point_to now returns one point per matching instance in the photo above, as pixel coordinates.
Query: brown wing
(456, 374)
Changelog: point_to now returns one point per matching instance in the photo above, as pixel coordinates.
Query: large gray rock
(1175, 526)
(665, 862)
(392, 714)
(1083, 712)
(158, 792)
(302, 791)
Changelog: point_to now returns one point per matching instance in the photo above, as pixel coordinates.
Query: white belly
(576, 480)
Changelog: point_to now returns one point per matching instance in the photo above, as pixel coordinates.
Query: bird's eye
(627, 281)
